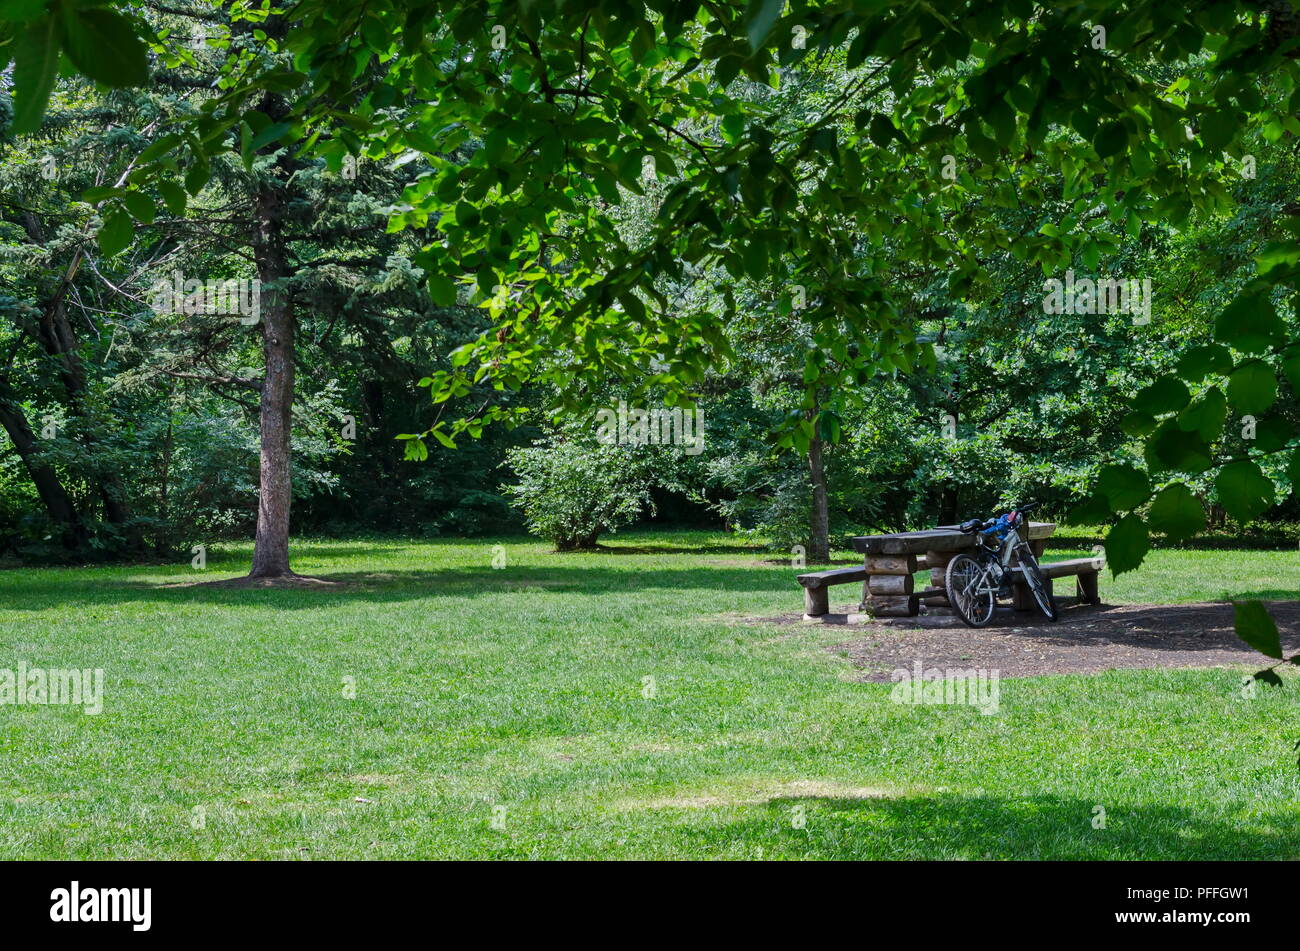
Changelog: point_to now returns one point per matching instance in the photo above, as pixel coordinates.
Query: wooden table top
(943, 538)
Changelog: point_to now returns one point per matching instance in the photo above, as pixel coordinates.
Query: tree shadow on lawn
(33, 594)
(995, 827)
(675, 549)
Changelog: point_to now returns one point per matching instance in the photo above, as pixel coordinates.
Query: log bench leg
(937, 561)
(816, 601)
(1023, 598)
(1088, 588)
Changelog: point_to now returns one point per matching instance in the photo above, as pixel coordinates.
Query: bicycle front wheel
(972, 591)
(1038, 588)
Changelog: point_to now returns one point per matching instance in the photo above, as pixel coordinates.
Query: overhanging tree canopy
(537, 117)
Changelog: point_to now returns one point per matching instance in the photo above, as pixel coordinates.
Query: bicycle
(976, 580)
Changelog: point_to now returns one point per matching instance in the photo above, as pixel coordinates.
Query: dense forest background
(129, 432)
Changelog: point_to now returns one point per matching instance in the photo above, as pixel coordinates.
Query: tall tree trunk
(48, 487)
(819, 529)
(948, 505)
(271, 548)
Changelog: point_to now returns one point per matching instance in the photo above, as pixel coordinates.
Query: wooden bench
(892, 592)
(816, 599)
(1085, 571)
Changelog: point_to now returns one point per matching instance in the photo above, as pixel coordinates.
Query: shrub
(572, 493)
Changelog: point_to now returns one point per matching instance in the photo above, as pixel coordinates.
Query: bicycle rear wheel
(971, 591)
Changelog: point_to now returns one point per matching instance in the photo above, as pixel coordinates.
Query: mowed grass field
(506, 713)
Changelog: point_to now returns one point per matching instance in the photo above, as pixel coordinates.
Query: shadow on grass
(993, 827)
(69, 588)
(1267, 594)
(670, 549)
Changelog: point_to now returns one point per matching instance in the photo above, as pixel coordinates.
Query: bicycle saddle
(971, 526)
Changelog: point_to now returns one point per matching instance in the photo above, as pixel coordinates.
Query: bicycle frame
(1001, 558)
(979, 578)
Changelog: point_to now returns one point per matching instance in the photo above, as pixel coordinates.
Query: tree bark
(948, 505)
(271, 547)
(48, 487)
(819, 529)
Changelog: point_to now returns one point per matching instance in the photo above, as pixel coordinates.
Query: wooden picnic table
(890, 561)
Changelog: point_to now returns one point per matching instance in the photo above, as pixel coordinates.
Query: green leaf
(754, 255)
(761, 17)
(726, 70)
(103, 45)
(442, 290)
(159, 148)
(416, 450)
(1252, 387)
(1137, 424)
(985, 149)
(1293, 471)
(1177, 513)
(1166, 395)
(1272, 433)
(1291, 367)
(1171, 448)
(21, 11)
(882, 131)
(1217, 129)
(1090, 511)
(1206, 416)
(1127, 544)
(269, 134)
(1250, 324)
(282, 81)
(1244, 491)
(829, 427)
(197, 176)
(116, 232)
(733, 127)
(1123, 486)
(1256, 627)
(1111, 139)
(173, 196)
(98, 193)
(36, 61)
(1199, 362)
(141, 206)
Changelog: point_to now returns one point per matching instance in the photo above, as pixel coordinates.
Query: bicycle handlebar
(988, 526)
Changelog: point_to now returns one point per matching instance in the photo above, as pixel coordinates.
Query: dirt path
(1086, 640)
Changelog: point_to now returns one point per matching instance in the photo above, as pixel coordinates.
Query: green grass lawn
(519, 693)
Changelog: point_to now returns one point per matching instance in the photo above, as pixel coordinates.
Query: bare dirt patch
(1088, 639)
